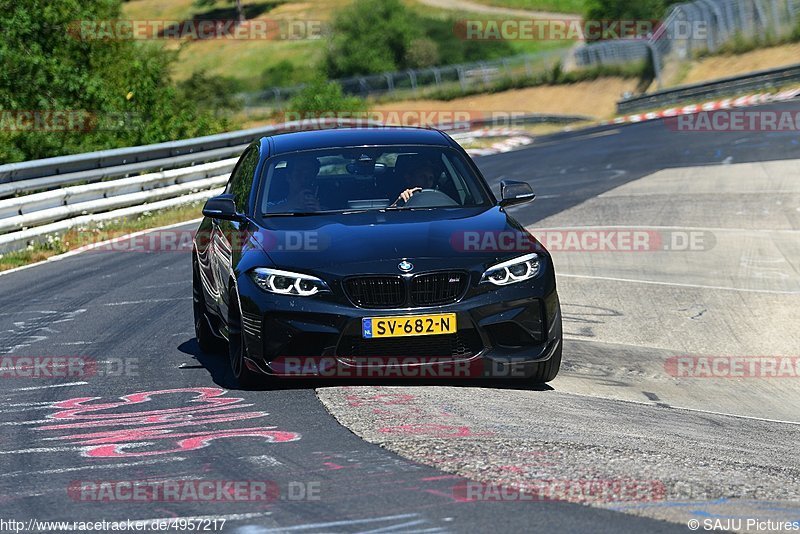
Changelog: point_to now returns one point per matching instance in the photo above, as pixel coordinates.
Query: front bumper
(504, 331)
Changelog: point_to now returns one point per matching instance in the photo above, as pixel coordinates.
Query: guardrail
(185, 171)
(757, 81)
(39, 208)
(117, 162)
(463, 76)
(698, 26)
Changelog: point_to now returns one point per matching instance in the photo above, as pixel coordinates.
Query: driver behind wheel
(424, 177)
(300, 194)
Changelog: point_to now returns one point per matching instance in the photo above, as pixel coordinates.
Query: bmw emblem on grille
(405, 266)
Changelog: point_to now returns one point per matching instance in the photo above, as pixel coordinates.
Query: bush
(374, 36)
(422, 52)
(453, 49)
(285, 73)
(124, 85)
(216, 94)
(321, 97)
(625, 10)
(740, 43)
(369, 36)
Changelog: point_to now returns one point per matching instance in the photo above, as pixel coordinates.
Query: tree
(374, 36)
(369, 36)
(619, 10)
(321, 97)
(210, 3)
(422, 52)
(51, 65)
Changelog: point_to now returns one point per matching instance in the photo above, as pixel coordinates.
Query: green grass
(242, 60)
(741, 44)
(517, 46)
(557, 6)
(554, 76)
(246, 60)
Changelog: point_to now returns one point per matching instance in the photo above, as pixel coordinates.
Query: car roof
(345, 137)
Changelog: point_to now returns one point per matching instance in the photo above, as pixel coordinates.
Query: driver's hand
(408, 193)
(310, 201)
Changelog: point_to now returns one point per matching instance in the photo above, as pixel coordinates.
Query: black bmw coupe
(344, 252)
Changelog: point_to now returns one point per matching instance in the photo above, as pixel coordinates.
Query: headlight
(513, 271)
(286, 283)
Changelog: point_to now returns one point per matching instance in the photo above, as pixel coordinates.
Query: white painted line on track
(582, 137)
(591, 340)
(32, 388)
(263, 460)
(683, 408)
(21, 423)
(144, 301)
(639, 227)
(166, 284)
(678, 284)
(28, 311)
(92, 467)
(616, 194)
(228, 517)
(394, 528)
(43, 449)
(315, 526)
(28, 409)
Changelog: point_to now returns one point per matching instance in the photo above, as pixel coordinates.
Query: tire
(237, 349)
(546, 371)
(208, 342)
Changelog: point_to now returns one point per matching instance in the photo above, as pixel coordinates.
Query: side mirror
(222, 207)
(513, 193)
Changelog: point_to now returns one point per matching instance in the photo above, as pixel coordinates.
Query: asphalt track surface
(134, 310)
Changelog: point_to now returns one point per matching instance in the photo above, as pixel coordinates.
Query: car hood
(373, 242)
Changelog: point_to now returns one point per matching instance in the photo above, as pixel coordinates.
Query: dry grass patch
(714, 67)
(597, 98)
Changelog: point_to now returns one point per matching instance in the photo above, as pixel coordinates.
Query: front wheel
(208, 342)
(237, 349)
(546, 371)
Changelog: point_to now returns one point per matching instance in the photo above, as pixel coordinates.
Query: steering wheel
(430, 198)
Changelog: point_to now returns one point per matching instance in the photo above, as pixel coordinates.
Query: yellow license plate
(412, 325)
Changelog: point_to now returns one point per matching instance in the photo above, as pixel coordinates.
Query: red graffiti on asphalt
(112, 431)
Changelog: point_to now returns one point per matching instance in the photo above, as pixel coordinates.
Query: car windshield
(369, 178)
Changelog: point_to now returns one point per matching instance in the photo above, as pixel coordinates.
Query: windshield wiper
(294, 214)
(410, 208)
